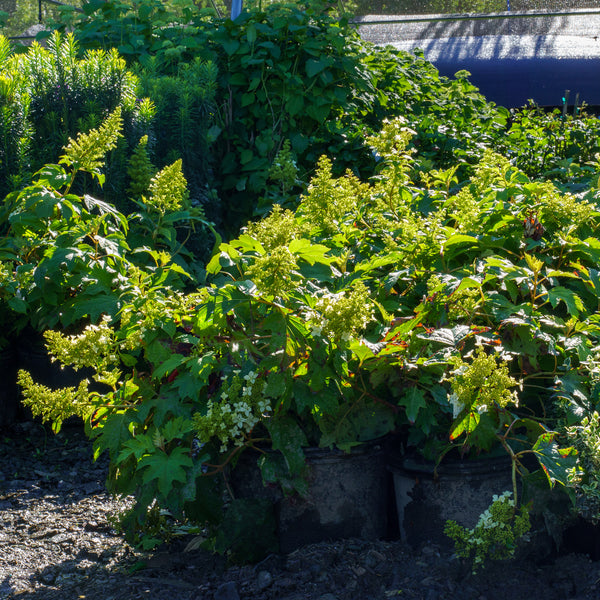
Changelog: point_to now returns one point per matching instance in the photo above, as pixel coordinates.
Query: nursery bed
(57, 543)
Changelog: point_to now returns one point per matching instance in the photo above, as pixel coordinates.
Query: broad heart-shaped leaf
(556, 462)
(165, 468)
(168, 366)
(570, 298)
(351, 426)
(176, 428)
(363, 350)
(277, 384)
(54, 176)
(572, 392)
(457, 244)
(137, 446)
(413, 400)
(289, 439)
(315, 66)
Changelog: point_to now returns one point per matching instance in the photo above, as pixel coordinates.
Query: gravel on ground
(58, 542)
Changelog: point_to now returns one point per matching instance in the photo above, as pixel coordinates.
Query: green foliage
(140, 170)
(50, 95)
(584, 479)
(230, 95)
(280, 74)
(496, 535)
(133, 29)
(434, 272)
(184, 103)
(70, 259)
(374, 306)
(285, 75)
(15, 128)
(550, 145)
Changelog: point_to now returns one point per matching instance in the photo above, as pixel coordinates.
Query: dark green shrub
(285, 72)
(15, 128)
(290, 75)
(54, 95)
(184, 106)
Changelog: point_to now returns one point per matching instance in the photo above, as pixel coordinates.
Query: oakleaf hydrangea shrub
(374, 306)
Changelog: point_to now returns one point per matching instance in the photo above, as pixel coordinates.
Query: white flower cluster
(341, 315)
(487, 520)
(94, 347)
(240, 407)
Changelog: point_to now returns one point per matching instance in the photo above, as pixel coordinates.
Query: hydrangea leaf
(166, 469)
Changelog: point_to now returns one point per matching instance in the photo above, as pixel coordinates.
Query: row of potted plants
(462, 318)
(437, 291)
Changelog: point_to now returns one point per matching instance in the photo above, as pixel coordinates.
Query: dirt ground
(57, 542)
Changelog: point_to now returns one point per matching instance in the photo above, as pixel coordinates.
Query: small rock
(293, 565)
(47, 577)
(373, 558)
(93, 488)
(359, 571)
(285, 583)
(227, 591)
(315, 570)
(264, 580)
(430, 551)
(61, 538)
(432, 595)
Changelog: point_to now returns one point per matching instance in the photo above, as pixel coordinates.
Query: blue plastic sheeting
(512, 57)
(512, 69)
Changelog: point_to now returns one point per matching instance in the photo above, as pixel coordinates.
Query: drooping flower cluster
(481, 384)
(54, 405)
(95, 347)
(342, 315)
(240, 406)
(496, 533)
(88, 150)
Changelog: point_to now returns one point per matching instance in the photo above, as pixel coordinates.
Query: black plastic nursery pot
(459, 490)
(9, 395)
(348, 496)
